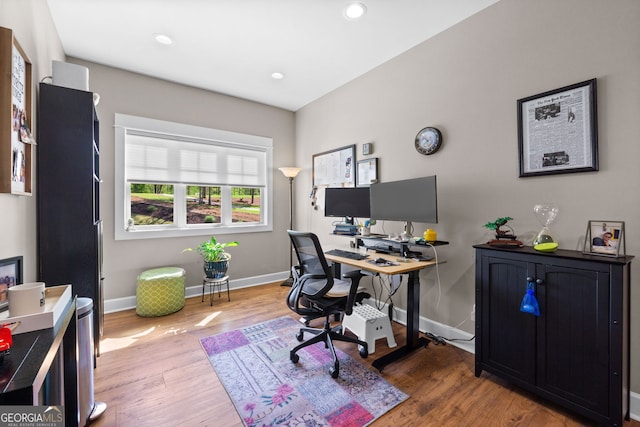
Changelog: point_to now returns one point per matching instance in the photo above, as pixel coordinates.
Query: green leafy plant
(211, 250)
(500, 222)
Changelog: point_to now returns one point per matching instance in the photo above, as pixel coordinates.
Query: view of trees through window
(245, 204)
(153, 204)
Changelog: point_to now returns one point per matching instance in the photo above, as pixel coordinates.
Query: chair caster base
(364, 353)
(335, 371)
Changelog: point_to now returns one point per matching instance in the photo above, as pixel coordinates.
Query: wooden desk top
(366, 264)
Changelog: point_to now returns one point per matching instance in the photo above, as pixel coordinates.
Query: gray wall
(466, 81)
(33, 28)
(133, 94)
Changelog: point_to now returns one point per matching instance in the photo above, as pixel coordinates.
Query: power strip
(436, 339)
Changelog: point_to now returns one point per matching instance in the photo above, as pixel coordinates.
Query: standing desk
(412, 268)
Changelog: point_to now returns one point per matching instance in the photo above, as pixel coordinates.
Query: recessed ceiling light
(163, 39)
(354, 11)
(277, 76)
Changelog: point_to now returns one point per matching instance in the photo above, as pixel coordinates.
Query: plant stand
(213, 284)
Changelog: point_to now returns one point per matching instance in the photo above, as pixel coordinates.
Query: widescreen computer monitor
(409, 200)
(347, 203)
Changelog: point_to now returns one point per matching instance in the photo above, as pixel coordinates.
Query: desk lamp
(291, 173)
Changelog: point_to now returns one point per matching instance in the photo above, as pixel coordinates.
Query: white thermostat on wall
(367, 148)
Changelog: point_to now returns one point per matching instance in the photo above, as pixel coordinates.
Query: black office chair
(316, 293)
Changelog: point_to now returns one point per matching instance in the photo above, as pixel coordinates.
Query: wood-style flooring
(153, 372)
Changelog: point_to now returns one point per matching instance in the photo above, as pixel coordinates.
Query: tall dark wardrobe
(68, 195)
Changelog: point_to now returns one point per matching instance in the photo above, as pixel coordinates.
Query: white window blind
(160, 152)
(155, 158)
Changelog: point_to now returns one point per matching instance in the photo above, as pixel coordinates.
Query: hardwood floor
(153, 372)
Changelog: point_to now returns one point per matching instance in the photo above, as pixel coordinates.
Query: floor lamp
(291, 173)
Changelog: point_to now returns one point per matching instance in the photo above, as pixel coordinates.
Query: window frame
(178, 131)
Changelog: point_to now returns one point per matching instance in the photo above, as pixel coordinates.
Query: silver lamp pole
(290, 173)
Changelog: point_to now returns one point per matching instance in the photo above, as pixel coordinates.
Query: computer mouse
(380, 260)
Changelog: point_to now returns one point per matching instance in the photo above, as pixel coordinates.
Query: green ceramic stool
(160, 291)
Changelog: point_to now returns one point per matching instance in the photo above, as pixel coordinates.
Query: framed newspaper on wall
(558, 132)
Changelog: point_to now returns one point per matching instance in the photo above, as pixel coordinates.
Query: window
(151, 204)
(181, 180)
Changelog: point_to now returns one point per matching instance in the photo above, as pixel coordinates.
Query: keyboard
(347, 254)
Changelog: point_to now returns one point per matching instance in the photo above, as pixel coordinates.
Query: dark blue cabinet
(576, 353)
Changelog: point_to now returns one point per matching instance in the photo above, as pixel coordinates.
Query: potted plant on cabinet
(215, 257)
(504, 238)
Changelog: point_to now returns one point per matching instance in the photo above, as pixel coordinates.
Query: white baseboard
(127, 303)
(462, 338)
(634, 407)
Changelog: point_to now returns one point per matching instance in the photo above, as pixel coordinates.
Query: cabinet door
(507, 334)
(573, 334)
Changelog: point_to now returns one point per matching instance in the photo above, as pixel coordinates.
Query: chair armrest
(295, 271)
(354, 276)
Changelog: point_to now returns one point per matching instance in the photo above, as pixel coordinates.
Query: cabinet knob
(529, 279)
(539, 282)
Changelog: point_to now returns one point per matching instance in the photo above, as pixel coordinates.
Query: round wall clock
(428, 140)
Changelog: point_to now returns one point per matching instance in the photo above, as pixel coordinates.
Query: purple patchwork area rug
(267, 389)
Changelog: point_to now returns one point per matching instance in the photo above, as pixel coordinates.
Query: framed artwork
(10, 275)
(605, 238)
(367, 172)
(15, 116)
(558, 132)
(335, 168)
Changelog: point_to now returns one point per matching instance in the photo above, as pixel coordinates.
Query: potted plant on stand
(215, 257)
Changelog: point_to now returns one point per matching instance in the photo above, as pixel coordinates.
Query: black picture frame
(10, 275)
(335, 168)
(558, 131)
(605, 238)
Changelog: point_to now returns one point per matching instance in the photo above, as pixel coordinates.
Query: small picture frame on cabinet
(10, 275)
(605, 238)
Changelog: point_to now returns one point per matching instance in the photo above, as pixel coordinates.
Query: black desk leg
(413, 323)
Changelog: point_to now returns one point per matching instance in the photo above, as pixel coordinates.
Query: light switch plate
(367, 149)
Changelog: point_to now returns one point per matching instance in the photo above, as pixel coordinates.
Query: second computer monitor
(409, 200)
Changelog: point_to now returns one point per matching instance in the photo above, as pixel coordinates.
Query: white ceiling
(233, 46)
